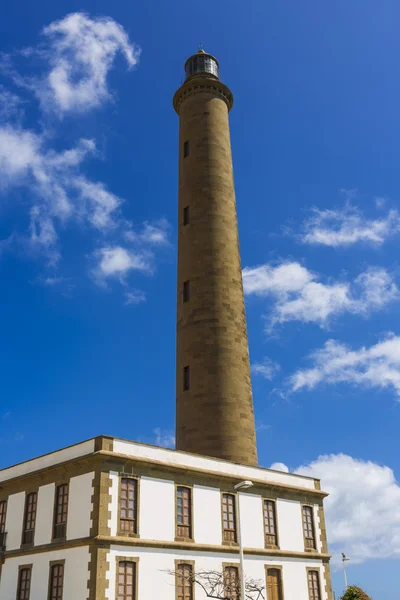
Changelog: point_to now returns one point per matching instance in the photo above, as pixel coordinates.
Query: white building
(118, 520)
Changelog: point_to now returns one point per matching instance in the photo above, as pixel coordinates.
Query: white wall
(44, 514)
(14, 520)
(157, 509)
(207, 515)
(155, 582)
(210, 464)
(252, 521)
(80, 506)
(76, 574)
(48, 460)
(290, 525)
(157, 515)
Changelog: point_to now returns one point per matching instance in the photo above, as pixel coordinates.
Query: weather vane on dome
(201, 47)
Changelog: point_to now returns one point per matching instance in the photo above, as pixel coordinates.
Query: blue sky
(88, 199)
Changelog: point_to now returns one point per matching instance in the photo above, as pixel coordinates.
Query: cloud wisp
(267, 368)
(77, 54)
(376, 366)
(297, 294)
(348, 226)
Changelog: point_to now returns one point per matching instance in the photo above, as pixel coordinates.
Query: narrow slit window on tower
(186, 378)
(186, 215)
(186, 149)
(186, 291)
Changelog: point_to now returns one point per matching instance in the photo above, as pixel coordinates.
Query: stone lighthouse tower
(214, 400)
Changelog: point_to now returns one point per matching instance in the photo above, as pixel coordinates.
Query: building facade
(118, 520)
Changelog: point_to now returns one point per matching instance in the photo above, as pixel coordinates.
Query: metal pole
(242, 579)
(345, 575)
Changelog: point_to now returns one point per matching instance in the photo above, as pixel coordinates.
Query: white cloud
(56, 187)
(164, 438)
(267, 368)
(297, 295)
(10, 105)
(278, 466)
(80, 51)
(134, 297)
(116, 261)
(347, 226)
(377, 366)
(363, 508)
(153, 234)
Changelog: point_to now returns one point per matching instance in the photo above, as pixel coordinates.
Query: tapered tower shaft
(214, 398)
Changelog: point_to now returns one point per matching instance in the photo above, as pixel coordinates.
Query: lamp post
(243, 485)
(344, 559)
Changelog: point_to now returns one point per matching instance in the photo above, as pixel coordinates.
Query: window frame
(307, 545)
(235, 530)
(52, 565)
(266, 543)
(230, 565)
(276, 568)
(186, 563)
(25, 529)
(20, 569)
(3, 515)
(62, 525)
(186, 215)
(122, 533)
(178, 537)
(129, 559)
(186, 149)
(318, 572)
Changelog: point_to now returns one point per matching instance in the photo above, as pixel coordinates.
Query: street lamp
(344, 559)
(243, 485)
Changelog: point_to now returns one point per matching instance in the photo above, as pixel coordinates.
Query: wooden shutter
(308, 527)
(313, 585)
(128, 506)
(24, 583)
(184, 582)
(274, 584)
(183, 512)
(229, 517)
(126, 580)
(56, 582)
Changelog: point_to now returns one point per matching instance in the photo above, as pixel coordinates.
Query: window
(3, 514)
(24, 583)
(271, 537)
(128, 506)
(186, 215)
(56, 582)
(183, 512)
(126, 580)
(61, 511)
(186, 149)
(186, 291)
(30, 518)
(229, 517)
(308, 527)
(184, 582)
(313, 585)
(274, 584)
(231, 583)
(186, 378)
